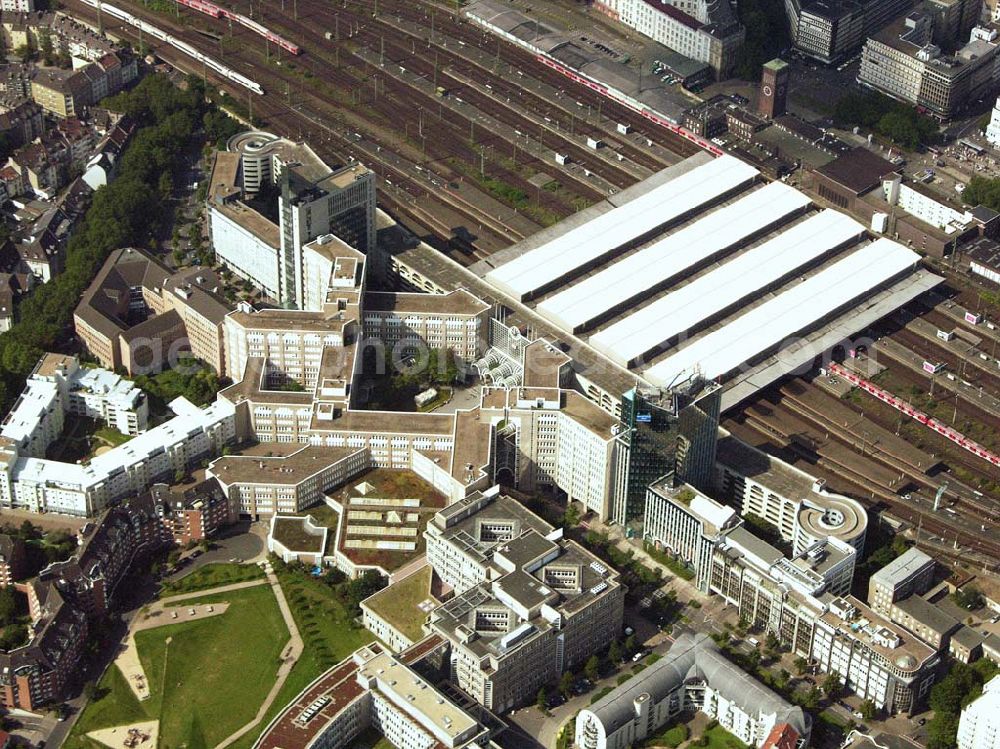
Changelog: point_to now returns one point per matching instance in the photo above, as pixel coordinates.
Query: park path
(289, 657)
(128, 661)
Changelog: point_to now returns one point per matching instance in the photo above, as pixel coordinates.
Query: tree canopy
(767, 35)
(125, 212)
(961, 686)
(899, 122)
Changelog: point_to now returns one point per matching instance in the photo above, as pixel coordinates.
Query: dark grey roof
(985, 252)
(967, 637)
(984, 214)
(755, 545)
(695, 657)
(929, 615)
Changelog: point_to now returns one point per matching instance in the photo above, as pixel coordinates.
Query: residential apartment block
(543, 605)
(693, 676)
(65, 599)
(59, 386)
(31, 482)
(70, 93)
(191, 513)
(12, 559)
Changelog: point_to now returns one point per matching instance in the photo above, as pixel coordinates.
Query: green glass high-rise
(662, 432)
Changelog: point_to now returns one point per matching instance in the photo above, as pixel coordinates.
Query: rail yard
(464, 133)
(478, 144)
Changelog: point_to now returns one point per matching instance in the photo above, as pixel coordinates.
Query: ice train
(179, 44)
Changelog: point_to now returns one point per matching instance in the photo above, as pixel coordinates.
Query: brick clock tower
(773, 89)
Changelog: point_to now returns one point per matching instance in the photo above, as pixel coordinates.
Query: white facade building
(247, 252)
(924, 205)
(993, 129)
(29, 481)
(313, 201)
(59, 386)
(704, 31)
(693, 675)
(979, 726)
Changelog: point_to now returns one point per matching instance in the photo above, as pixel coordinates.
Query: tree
(24, 51)
(810, 700)
(8, 606)
(771, 642)
(968, 598)
(832, 685)
(868, 710)
(566, 684)
(801, 665)
(29, 531)
(615, 652)
(91, 691)
(542, 699)
(630, 645)
(766, 35)
(782, 678)
(45, 46)
(593, 668)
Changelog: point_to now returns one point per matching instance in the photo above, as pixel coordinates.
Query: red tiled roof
(782, 736)
(339, 683)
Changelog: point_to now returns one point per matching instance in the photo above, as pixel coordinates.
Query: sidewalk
(128, 661)
(289, 657)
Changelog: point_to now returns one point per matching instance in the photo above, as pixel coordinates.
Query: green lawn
(212, 576)
(206, 682)
(720, 738)
(113, 437)
(328, 633)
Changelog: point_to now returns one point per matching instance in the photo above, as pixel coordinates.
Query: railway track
(330, 142)
(393, 47)
(444, 22)
(965, 402)
(968, 366)
(770, 427)
(532, 102)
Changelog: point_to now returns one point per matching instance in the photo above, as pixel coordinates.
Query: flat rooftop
(286, 470)
(903, 567)
(406, 603)
(908, 655)
(408, 691)
(457, 302)
(848, 519)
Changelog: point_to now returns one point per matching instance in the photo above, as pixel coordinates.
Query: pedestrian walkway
(167, 611)
(289, 656)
